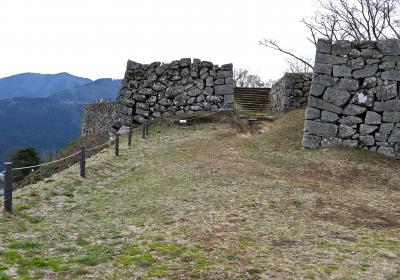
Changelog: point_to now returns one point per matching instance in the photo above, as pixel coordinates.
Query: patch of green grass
(26, 245)
(144, 260)
(131, 250)
(171, 251)
(95, 254)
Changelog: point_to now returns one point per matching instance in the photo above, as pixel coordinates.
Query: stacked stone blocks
(354, 98)
(290, 92)
(156, 90)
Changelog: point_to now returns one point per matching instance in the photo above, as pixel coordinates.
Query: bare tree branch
(274, 45)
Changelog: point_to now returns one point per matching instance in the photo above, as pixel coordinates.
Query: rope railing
(8, 172)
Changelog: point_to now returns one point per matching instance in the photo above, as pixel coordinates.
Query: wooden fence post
(147, 127)
(8, 185)
(116, 144)
(83, 162)
(130, 137)
(144, 130)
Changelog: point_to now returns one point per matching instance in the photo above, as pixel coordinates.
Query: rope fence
(7, 175)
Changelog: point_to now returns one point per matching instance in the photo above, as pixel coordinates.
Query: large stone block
(390, 105)
(350, 120)
(224, 89)
(367, 129)
(384, 93)
(348, 84)
(366, 140)
(336, 96)
(324, 80)
(329, 59)
(354, 110)
(341, 71)
(346, 131)
(312, 113)
(387, 151)
(329, 116)
(365, 72)
(324, 46)
(373, 118)
(323, 68)
(391, 75)
(389, 47)
(341, 48)
(391, 116)
(394, 135)
(321, 129)
(317, 89)
(311, 141)
(323, 105)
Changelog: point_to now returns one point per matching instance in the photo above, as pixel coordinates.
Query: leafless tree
(348, 19)
(242, 78)
(297, 66)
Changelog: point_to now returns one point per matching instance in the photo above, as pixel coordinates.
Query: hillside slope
(101, 88)
(37, 85)
(205, 202)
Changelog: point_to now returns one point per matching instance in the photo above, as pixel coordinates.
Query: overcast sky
(95, 38)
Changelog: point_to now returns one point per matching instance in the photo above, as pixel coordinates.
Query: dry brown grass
(207, 202)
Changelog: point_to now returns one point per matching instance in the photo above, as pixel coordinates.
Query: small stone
(363, 98)
(357, 63)
(395, 135)
(369, 82)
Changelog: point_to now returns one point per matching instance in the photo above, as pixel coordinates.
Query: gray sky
(95, 38)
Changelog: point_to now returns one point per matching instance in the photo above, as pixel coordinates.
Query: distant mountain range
(38, 85)
(45, 111)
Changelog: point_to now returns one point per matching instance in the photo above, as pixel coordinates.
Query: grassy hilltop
(208, 202)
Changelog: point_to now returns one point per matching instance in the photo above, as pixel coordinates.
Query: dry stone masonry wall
(98, 118)
(290, 92)
(354, 98)
(159, 90)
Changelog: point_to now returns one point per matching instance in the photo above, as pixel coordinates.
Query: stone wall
(159, 90)
(290, 92)
(98, 118)
(354, 99)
